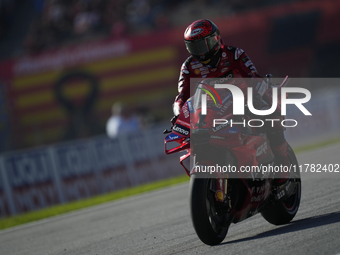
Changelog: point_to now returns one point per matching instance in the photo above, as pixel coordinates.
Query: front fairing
(211, 114)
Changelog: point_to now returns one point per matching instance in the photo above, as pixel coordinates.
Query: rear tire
(282, 212)
(210, 224)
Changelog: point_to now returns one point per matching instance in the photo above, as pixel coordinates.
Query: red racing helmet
(202, 40)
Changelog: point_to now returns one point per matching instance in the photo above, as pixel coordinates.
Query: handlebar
(166, 131)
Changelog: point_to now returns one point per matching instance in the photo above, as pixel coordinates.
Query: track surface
(159, 223)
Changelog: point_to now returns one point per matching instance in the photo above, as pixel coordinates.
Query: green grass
(316, 145)
(72, 206)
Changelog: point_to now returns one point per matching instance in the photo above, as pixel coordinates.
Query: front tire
(282, 212)
(210, 223)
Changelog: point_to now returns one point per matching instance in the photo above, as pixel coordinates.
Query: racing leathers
(234, 63)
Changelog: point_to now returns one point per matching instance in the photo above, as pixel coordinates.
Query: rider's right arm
(183, 87)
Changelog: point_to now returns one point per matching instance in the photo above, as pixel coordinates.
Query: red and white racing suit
(234, 63)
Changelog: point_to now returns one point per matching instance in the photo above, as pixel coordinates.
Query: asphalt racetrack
(159, 222)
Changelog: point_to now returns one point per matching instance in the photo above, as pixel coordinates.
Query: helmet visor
(202, 46)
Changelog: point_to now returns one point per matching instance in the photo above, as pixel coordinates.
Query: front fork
(222, 195)
(221, 189)
(221, 186)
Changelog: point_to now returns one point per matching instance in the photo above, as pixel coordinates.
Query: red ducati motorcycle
(232, 168)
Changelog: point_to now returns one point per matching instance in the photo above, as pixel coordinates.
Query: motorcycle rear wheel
(283, 211)
(211, 225)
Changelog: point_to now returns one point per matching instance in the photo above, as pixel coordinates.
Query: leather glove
(173, 120)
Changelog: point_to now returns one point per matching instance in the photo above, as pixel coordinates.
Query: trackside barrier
(324, 122)
(38, 178)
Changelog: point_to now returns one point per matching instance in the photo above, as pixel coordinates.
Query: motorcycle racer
(211, 58)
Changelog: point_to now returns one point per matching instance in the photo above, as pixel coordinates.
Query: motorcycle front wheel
(210, 220)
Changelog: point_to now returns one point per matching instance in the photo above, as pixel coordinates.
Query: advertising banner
(38, 178)
(31, 180)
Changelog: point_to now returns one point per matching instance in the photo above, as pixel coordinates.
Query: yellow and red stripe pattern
(147, 76)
